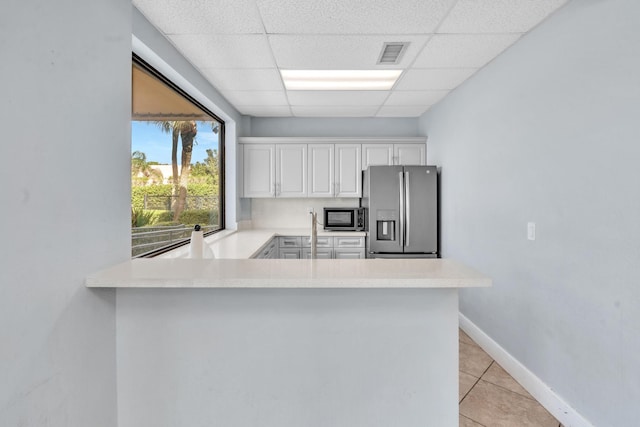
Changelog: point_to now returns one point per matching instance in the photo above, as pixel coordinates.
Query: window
(177, 162)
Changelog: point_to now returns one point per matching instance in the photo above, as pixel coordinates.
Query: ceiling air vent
(391, 53)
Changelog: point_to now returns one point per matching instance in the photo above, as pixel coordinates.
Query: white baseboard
(568, 416)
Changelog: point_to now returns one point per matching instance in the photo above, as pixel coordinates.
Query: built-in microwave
(344, 219)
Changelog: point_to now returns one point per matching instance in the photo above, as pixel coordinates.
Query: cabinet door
(289, 253)
(348, 242)
(409, 154)
(259, 170)
(290, 241)
(343, 253)
(291, 170)
(348, 170)
(321, 170)
(376, 154)
(321, 253)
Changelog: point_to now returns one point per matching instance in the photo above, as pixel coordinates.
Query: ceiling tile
(352, 17)
(265, 111)
(463, 50)
(201, 17)
(415, 97)
(402, 111)
(497, 16)
(334, 111)
(244, 79)
(339, 52)
(347, 97)
(433, 78)
(256, 97)
(225, 51)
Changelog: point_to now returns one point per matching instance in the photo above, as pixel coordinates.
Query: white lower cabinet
(290, 253)
(321, 253)
(349, 253)
(328, 247)
(268, 251)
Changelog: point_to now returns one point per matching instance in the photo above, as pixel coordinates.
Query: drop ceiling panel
(244, 79)
(256, 97)
(265, 111)
(402, 111)
(240, 46)
(334, 111)
(415, 97)
(463, 50)
(352, 17)
(313, 52)
(202, 17)
(433, 78)
(347, 97)
(497, 16)
(225, 51)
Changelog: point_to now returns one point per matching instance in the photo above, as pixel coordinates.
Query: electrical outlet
(531, 230)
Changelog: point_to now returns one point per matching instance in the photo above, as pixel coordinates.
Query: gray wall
(549, 133)
(299, 126)
(65, 150)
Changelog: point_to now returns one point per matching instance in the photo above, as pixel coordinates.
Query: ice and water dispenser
(386, 224)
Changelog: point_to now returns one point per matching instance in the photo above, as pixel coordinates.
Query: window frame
(137, 60)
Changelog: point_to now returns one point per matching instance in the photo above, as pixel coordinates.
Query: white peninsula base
(287, 357)
(287, 343)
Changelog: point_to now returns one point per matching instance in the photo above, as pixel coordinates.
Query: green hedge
(196, 189)
(200, 216)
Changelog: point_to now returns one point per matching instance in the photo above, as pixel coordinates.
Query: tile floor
(490, 397)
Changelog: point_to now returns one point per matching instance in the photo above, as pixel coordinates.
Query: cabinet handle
(273, 190)
(337, 189)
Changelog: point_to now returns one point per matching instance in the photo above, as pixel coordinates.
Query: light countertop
(234, 268)
(283, 273)
(247, 243)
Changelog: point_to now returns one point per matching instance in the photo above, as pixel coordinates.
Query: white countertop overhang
(282, 273)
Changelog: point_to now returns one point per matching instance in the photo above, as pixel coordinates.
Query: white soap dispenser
(197, 243)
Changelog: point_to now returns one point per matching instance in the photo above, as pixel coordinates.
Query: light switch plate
(531, 230)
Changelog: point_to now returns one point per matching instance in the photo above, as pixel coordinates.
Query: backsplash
(291, 213)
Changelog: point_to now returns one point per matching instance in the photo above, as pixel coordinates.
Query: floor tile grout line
(508, 389)
(464, 416)
(475, 383)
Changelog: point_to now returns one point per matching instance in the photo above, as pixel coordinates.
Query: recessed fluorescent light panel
(339, 79)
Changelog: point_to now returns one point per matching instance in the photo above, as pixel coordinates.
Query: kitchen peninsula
(278, 342)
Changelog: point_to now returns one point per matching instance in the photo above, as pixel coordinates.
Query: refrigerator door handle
(401, 188)
(407, 199)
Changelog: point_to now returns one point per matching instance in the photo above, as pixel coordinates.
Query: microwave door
(385, 202)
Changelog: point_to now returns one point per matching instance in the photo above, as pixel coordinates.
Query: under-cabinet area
(299, 247)
(319, 167)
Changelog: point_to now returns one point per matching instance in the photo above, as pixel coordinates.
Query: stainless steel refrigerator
(402, 211)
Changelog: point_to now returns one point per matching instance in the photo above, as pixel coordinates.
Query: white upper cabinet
(274, 170)
(259, 163)
(321, 170)
(291, 170)
(348, 170)
(377, 154)
(393, 154)
(335, 170)
(319, 167)
(409, 154)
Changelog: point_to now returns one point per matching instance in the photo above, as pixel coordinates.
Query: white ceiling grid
(240, 46)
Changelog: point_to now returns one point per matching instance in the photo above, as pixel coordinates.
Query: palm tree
(185, 131)
(141, 170)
